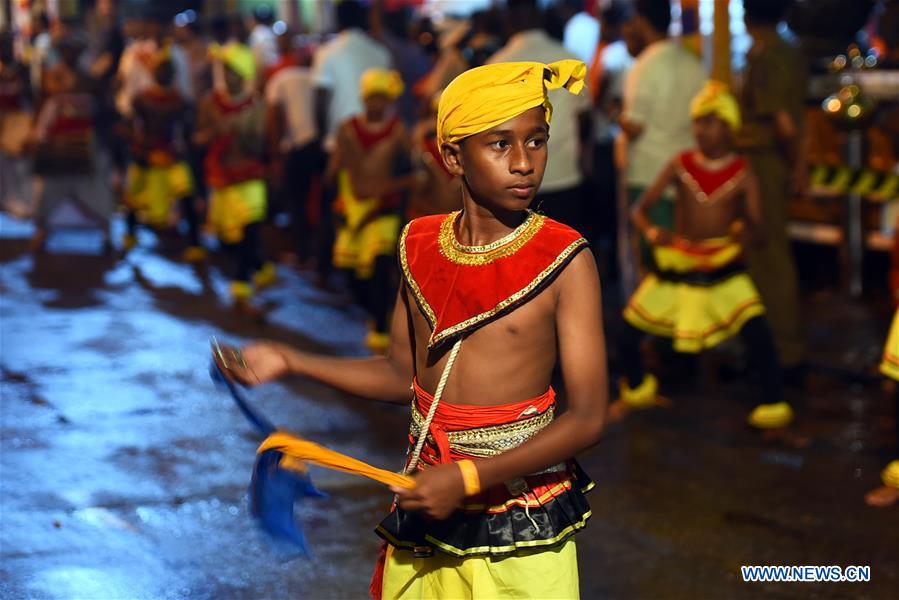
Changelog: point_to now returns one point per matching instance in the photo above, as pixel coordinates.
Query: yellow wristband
(470, 478)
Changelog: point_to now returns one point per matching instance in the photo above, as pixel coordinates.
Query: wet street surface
(124, 470)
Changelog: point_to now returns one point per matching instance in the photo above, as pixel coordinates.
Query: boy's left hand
(437, 493)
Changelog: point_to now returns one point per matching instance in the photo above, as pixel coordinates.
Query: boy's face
(233, 80)
(376, 106)
(712, 134)
(503, 166)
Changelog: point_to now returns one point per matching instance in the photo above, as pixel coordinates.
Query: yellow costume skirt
(889, 366)
(362, 237)
(540, 574)
(699, 295)
(233, 207)
(153, 190)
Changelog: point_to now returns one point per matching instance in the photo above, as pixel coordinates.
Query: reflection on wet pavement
(124, 470)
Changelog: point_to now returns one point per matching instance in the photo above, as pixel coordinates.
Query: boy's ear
(452, 158)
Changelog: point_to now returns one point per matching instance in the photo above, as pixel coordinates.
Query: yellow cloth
(889, 366)
(715, 98)
(239, 57)
(539, 573)
(297, 451)
(233, 207)
(381, 81)
(361, 239)
(694, 316)
(484, 97)
(152, 191)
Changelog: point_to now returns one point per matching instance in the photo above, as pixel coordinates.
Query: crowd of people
(221, 126)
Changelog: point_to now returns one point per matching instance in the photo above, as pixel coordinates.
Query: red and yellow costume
(159, 175)
(370, 226)
(508, 540)
(236, 177)
(699, 293)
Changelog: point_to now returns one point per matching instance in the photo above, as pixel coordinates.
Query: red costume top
(461, 288)
(222, 167)
(709, 185)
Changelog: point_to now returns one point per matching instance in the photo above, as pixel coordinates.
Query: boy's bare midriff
(506, 361)
(696, 221)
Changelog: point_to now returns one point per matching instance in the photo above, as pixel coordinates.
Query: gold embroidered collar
(486, 254)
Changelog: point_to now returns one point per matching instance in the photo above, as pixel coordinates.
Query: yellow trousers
(541, 573)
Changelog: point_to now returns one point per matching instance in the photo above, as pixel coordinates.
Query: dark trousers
(188, 213)
(376, 294)
(300, 166)
(757, 340)
(246, 253)
(602, 207)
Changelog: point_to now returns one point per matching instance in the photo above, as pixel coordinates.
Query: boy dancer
(66, 155)
(159, 176)
(699, 293)
(502, 293)
(230, 121)
(369, 147)
(888, 493)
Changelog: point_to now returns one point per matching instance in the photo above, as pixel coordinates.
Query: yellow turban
(484, 97)
(715, 98)
(381, 81)
(238, 57)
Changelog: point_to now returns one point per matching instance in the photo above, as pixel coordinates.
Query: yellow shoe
(241, 290)
(194, 254)
(890, 475)
(377, 342)
(129, 241)
(771, 416)
(644, 395)
(265, 276)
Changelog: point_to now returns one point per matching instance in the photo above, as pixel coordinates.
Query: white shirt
(562, 170)
(657, 95)
(137, 77)
(338, 66)
(616, 62)
(581, 35)
(293, 89)
(262, 41)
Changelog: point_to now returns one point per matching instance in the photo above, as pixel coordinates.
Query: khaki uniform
(775, 81)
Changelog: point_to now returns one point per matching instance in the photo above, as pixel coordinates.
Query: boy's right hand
(657, 236)
(262, 362)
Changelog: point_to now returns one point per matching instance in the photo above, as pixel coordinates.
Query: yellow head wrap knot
(715, 98)
(238, 57)
(484, 97)
(381, 81)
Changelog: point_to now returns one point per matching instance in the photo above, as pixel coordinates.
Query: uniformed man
(772, 140)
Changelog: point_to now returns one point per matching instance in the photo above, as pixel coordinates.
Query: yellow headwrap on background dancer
(715, 98)
(238, 57)
(486, 96)
(381, 81)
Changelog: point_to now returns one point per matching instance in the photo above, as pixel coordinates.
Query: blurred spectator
(440, 192)
(605, 83)
(293, 138)
(655, 120)
(772, 139)
(561, 194)
(262, 38)
(135, 72)
(581, 33)
(338, 66)
(41, 47)
(409, 58)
